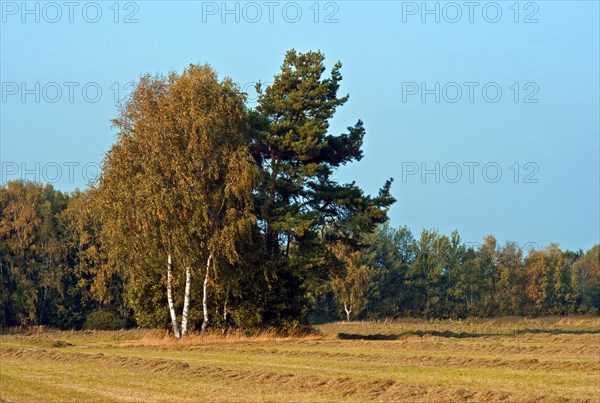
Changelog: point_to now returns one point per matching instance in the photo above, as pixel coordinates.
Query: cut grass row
(144, 366)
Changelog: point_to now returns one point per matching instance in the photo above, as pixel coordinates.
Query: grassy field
(551, 359)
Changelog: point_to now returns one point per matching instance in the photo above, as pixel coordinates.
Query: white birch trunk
(170, 298)
(225, 308)
(205, 294)
(186, 301)
(348, 312)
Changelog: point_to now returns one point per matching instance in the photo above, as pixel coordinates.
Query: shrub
(103, 320)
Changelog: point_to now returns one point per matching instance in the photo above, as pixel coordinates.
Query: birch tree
(178, 182)
(350, 285)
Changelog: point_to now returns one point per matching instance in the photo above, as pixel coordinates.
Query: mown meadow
(508, 359)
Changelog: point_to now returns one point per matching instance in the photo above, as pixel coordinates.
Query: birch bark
(205, 293)
(186, 301)
(170, 298)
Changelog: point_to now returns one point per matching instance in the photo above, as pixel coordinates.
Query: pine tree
(300, 206)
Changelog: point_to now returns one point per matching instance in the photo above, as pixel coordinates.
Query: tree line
(212, 213)
(439, 276)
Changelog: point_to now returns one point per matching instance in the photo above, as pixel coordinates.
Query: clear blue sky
(388, 48)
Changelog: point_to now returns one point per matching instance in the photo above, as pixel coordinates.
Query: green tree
(38, 284)
(487, 261)
(586, 280)
(300, 207)
(97, 283)
(427, 275)
(563, 295)
(511, 280)
(390, 255)
(467, 283)
(457, 261)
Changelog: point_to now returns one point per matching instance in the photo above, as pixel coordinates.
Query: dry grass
(164, 339)
(550, 359)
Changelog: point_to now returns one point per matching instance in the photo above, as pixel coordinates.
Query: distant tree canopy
(211, 213)
(51, 269)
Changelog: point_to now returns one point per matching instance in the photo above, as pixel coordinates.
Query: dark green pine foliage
(300, 206)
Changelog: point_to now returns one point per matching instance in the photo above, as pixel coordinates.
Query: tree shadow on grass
(556, 331)
(462, 335)
(399, 336)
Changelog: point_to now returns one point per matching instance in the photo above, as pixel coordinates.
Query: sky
(486, 114)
